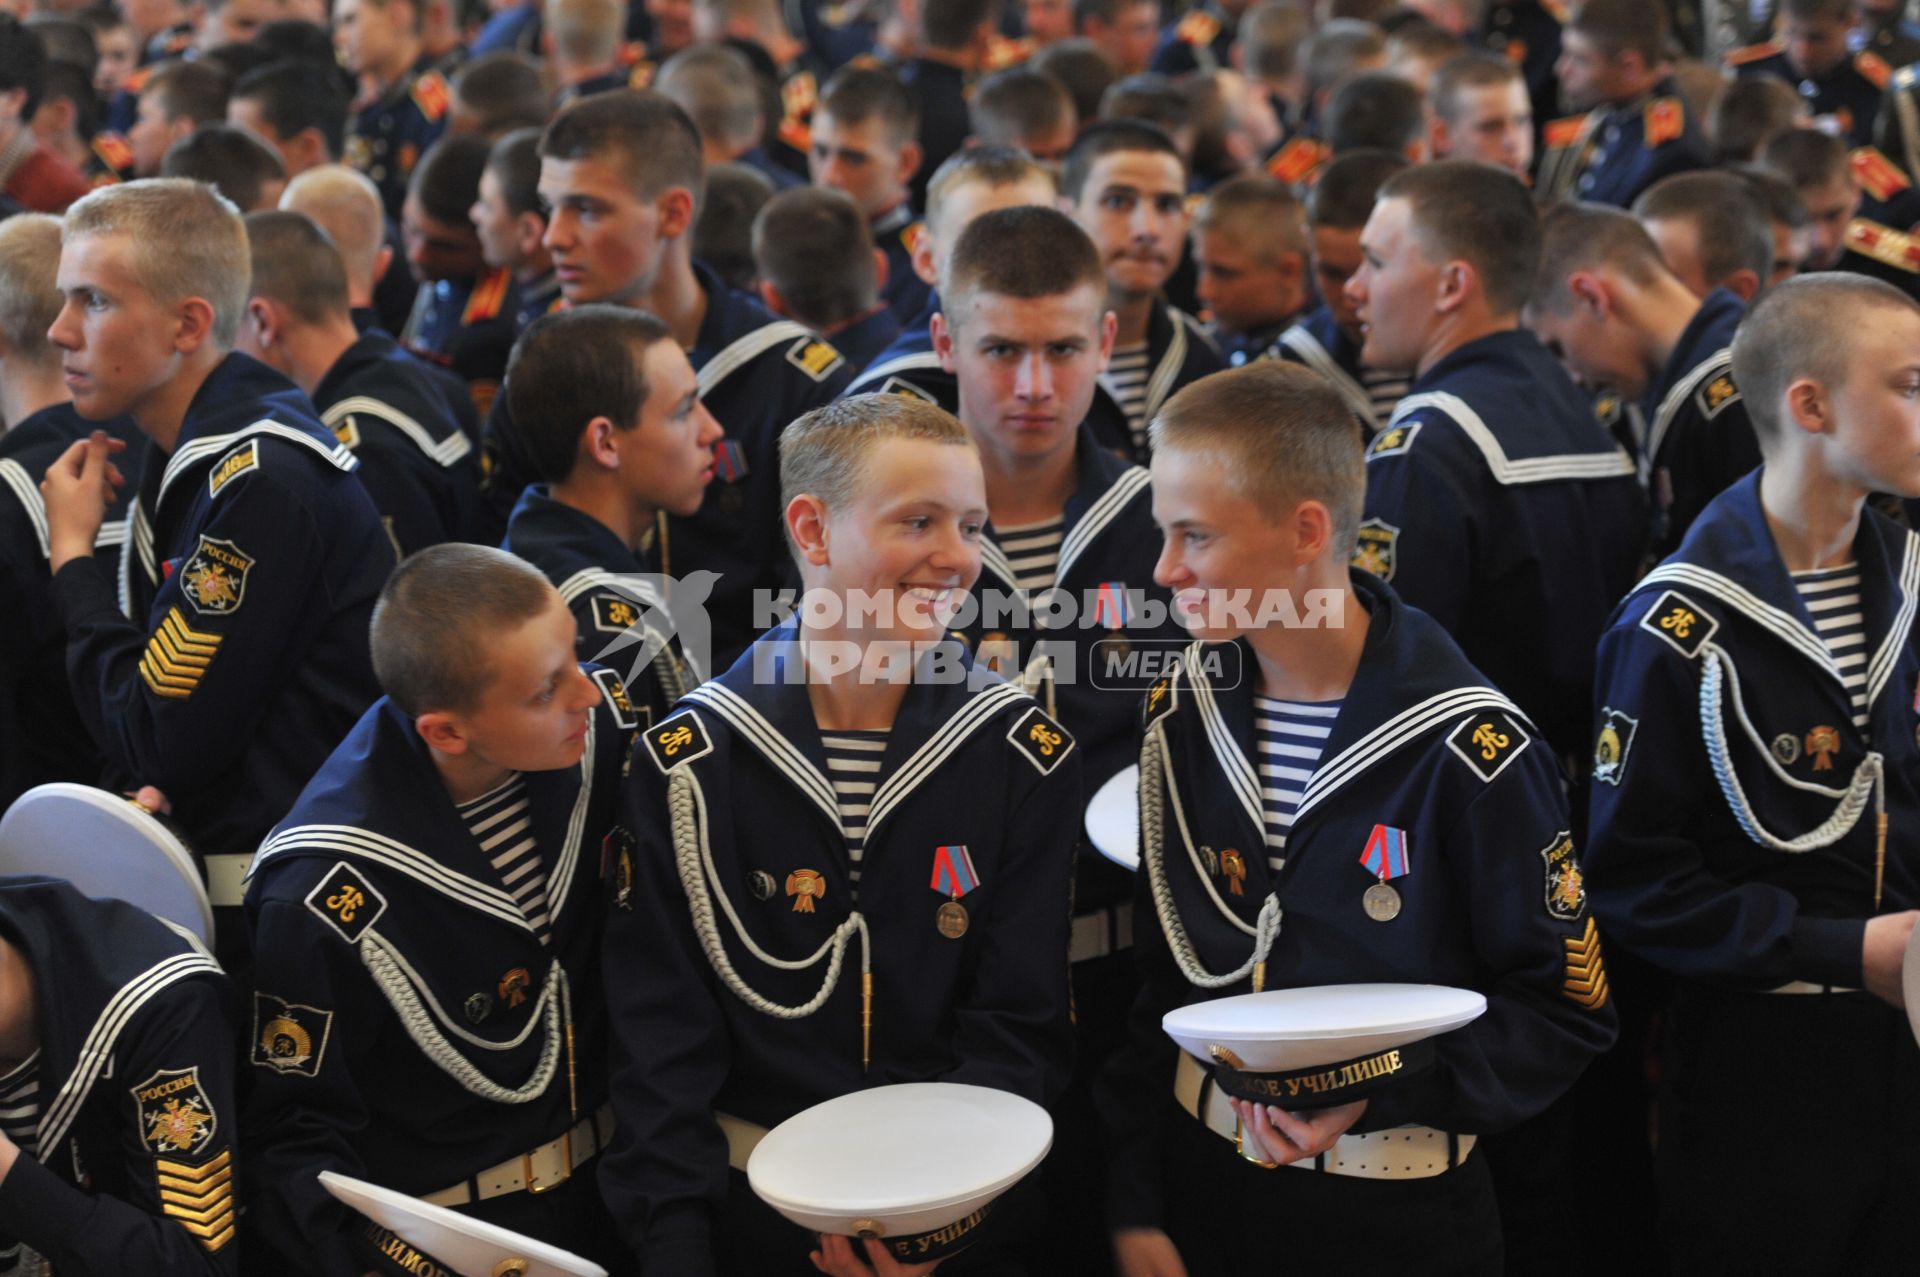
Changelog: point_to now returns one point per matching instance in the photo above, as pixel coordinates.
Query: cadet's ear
(1743, 283)
(770, 296)
(923, 260)
(675, 211)
(1590, 291)
(441, 731)
(597, 444)
(807, 521)
(1312, 531)
(942, 336)
(1807, 406)
(195, 319)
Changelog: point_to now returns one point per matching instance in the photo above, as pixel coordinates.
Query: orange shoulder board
(1754, 53)
(1664, 120)
(431, 95)
(489, 295)
(1879, 176)
(1296, 160)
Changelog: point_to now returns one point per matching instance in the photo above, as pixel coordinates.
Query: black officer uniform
(1890, 35)
(388, 136)
(41, 737)
(409, 1026)
(733, 810)
(1318, 342)
(1422, 747)
(1699, 439)
(1614, 152)
(1735, 844)
(611, 593)
(131, 1166)
(533, 298)
(420, 468)
(1240, 348)
(896, 232)
(252, 561)
(1200, 40)
(1850, 92)
(468, 326)
(1515, 528)
(909, 366)
(1528, 33)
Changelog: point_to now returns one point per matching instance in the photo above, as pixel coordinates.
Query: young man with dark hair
(178, 98)
(1125, 183)
(463, 316)
(30, 174)
(1250, 250)
(511, 224)
(1125, 30)
(1619, 320)
(1201, 40)
(232, 656)
(1848, 232)
(622, 174)
(402, 106)
(1023, 108)
(1713, 231)
(952, 39)
(937, 769)
(427, 1010)
(1479, 110)
(1377, 111)
(1636, 130)
(1748, 113)
(1841, 88)
(232, 161)
(1754, 781)
(496, 93)
(863, 143)
(298, 108)
(617, 437)
(1082, 69)
(422, 472)
(1328, 340)
(1788, 220)
(1495, 502)
(719, 90)
(1276, 783)
(816, 263)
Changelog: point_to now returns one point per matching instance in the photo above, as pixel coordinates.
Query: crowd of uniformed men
(1571, 350)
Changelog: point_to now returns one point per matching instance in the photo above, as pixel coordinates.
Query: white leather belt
(1807, 986)
(742, 1138)
(1403, 1152)
(538, 1170)
(1104, 931)
(226, 879)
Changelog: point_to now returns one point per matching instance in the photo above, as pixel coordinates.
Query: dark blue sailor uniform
(467, 326)
(1699, 439)
(741, 862)
(1735, 844)
(1239, 348)
(1613, 153)
(909, 366)
(1200, 40)
(1498, 505)
(533, 298)
(41, 737)
(408, 1025)
(1319, 343)
(1424, 753)
(895, 233)
(1850, 92)
(253, 559)
(1179, 353)
(420, 468)
(862, 340)
(387, 137)
(615, 599)
(131, 1167)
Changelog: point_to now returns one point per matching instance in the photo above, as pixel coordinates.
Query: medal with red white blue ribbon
(1386, 857)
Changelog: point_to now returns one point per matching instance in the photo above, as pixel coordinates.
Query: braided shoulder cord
(686, 806)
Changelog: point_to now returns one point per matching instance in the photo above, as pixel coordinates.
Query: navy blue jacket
(971, 763)
(1850, 92)
(253, 559)
(908, 365)
(895, 233)
(865, 338)
(1202, 40)
(1528, 33)
(134, 1169)
(1699, 439)
(1321, 344)
(1677, 876)
(1424, 745)
(1498, 505)
(1605, 157)
(1179, 353)
(382, 932)
(467, 326)
(420, 468)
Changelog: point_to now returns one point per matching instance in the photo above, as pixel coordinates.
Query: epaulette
(488, 297)
(1197, 28)
(1664, 120)
(1563, 132)
(113, 150)
(797, 135)
(1754, 53)
(431, 95)
(1884, 245)
(642, 75)
(910, 236)
(1873, 68)
(633, 53)
(1003, 52)
(799, 95)
(137, 82)
(1879, 176)
(1295, 161)
(1557, 10)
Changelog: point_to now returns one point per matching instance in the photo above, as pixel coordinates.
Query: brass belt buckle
(566, 1167)
(1240, 1147)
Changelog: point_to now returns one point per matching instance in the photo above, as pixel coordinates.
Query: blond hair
(824, 454)
(186, 240)
(29, 292)
(345, 204)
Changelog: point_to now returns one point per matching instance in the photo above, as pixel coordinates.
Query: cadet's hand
(838, 1257)
(1884, 951)
(78, 488)
(151, 799)
(1280, 1136)
(9, 1153)
(1146, 1252)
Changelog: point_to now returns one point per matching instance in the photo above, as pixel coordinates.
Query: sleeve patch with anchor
(289, 1037)
(1678, 620)
(1488, 742)
(347, 902)
(1044, 742)
(678, 740)
(618, 703)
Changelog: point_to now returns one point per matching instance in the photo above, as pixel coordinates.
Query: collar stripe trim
(745, 350)
(445, 452)
(1593, 465)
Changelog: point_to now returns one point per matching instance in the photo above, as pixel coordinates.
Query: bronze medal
(951, 921)
(1381, 902)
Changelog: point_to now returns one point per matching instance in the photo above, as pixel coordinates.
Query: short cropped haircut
(1800, 328)
(345, 203)
(950, 24)
(857, 93)
(296, 265)
(1585, 237)
(514, 162)
(1474, 69)
(1110, 137)
(1484, 216)
(986, 165)
(645, 132)
(1271, 37)
(1726, 213)
(1624, 26)
(437, 618)
(585, 30)
(74, 83)
(29, 292)
(1348, 188)
(1782, 203)
(1805, 158)
(1375, 110)
(446, 181)
(1332, 52)
(233, 161)
(65, 40)
(1259, 213)
(190, 90)
(503, 90)
(23, 64)
(715, 85)
(572, 366)
(813, 245)
(296, 38)
(1022, 252)
(1747, 113)
(1080, 67)
(187, 240)
(1151, 98)
(824, 454)
(294, 95)
(723, 232)
(1281, 434)
(1017, 103)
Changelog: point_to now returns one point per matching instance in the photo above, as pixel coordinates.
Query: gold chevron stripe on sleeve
(1585, 981)
(177, 657)
(199, 1198)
